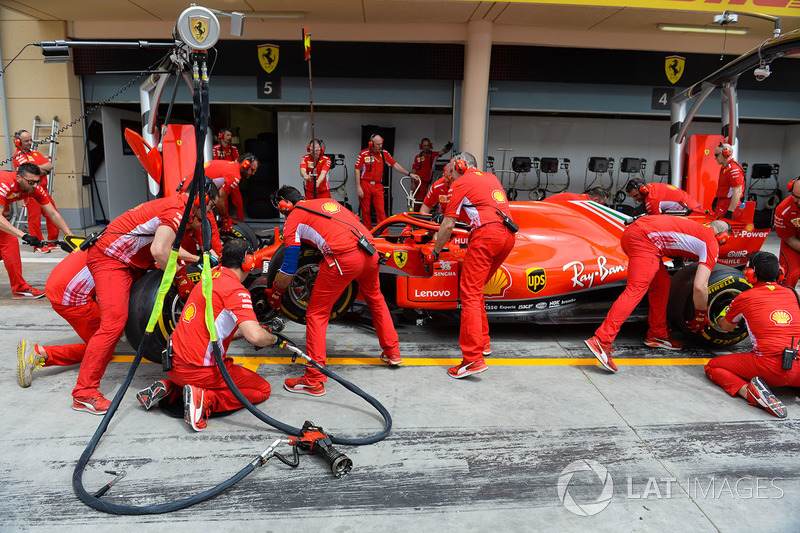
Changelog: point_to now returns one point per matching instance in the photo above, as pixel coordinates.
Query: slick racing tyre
(295, 300)
(242, 230)
(724, 284)
(143, 296)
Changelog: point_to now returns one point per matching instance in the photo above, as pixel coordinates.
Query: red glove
(184, 284)
(275, 298)
(699, 322)
(431, 258)
(226, 225)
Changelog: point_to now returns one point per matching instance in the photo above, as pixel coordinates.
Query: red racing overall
(730, 175)
(34, 210)
(120, 257)
(231, 153)
(773, 318)
(70, 289)
(479, 195)
(646, 242)
(787, 224)
(308, 164)
(194, 362)
(662, 197)
(343, 262)
(371, 166)
(9, 244)
(423, 167)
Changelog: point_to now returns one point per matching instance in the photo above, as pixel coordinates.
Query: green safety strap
(166, 283)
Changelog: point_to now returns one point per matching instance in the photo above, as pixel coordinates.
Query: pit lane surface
(473, 453)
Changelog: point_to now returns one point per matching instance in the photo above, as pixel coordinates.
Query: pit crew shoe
(759, 394)
(304, 386)
(467, 369)
(28, 294)
(392, 358)
(194, 409)
(668, 343)
(27, 361)
(97, 405)
(487, 349)
(154, 393)
(603, 353)
(43, 250)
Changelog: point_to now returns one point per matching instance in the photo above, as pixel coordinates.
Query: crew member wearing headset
(439, 192)
(730, 186)
(772, 313)
(423, 166)
(194, 367)
(646, 241)
(787, 227)
(23, 184)
(335, 231)
(481, 196)
(24, 154)
(660, 197)
(369, 179)
(595, 194)
(130, 244)
(227, 176)
(227, 151)
(314, 168)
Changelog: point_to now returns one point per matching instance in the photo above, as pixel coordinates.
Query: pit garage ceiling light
(682, 28)
(286, 15)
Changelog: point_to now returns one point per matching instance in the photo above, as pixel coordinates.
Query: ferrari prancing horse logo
(199, 27)
(673, 65)
(400, 258)
(268, 56)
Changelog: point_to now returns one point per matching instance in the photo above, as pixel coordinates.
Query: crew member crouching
(194, 365)
(772, 313)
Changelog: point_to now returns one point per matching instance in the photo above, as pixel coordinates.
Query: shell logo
(331, 207)
(749, 227)
(780, 317)
(189, 312)
(499, 196)
(498, 284)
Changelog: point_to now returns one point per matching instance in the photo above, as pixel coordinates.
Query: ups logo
(536, 279)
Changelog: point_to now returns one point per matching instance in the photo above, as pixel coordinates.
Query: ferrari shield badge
(400, 258)
(199, 27)
(673, 65)
(268, 57)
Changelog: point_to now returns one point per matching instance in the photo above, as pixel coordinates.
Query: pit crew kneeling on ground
(646, 241)
(194, 366)
(335, 231)
(772, 313)
(481, 195)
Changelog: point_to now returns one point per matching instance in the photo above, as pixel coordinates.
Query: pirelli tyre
(724, 284)
(242, 230)
(295, 300)
(143, 296)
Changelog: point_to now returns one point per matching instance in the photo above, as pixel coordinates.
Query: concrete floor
(654, 447)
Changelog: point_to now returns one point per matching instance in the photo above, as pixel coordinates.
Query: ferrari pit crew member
(730, 187)
(646, 241)
(336, 232)
(14, 186)
(194, 367)
(227, 176)
(314, 168)
(227, 151)
(423, 166)
(369, 179)
(24, 154)
(787, 227)
(660, 197)
(126, 249)
(482, 197)
(70, 289)
(595, 194)
(771, 312)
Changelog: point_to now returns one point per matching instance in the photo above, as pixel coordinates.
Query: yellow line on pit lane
(253, 362)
